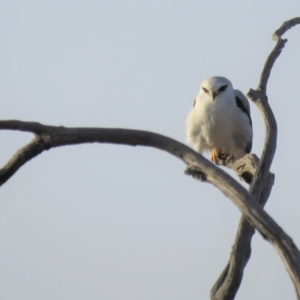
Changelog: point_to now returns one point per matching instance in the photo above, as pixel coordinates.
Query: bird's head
(215, 86)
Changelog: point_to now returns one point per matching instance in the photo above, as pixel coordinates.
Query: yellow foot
(217, 154)
(230, 157)
(227, 156)
(214, 155)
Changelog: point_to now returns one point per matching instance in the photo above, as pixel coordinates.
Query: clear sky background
(116, 222)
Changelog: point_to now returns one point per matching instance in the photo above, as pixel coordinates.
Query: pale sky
(116, 222)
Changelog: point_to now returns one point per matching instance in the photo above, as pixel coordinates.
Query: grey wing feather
(244, 99)
(243, 103)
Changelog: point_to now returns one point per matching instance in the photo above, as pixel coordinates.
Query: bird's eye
(222, 88)
(205, 90)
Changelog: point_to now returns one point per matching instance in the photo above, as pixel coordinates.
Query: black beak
(215, 94)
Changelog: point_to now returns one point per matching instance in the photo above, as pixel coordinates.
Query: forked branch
(229, 281)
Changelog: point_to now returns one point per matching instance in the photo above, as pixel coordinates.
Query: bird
(220, 121)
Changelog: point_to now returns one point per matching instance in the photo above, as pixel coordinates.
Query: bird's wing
(243, 103)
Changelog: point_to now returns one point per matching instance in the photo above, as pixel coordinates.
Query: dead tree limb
(231, 277)
(261, 180)
(48, 137)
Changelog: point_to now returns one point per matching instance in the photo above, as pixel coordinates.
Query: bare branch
(23, 155)
(33, 127)
(61, 136)
(259, 97)
(244, 167)
(286, 26)
(229, 281)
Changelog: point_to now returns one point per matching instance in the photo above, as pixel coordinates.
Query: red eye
(205, 90)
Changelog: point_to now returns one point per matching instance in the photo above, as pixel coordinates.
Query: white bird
(220, 120)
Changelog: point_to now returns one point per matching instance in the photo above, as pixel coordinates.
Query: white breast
(217, 124)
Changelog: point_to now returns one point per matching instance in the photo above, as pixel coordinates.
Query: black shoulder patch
(240, 105)
(248, 147)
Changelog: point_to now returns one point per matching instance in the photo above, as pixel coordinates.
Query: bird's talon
(230, 158)
(215, 155)
(226, 157)
(223, 156)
